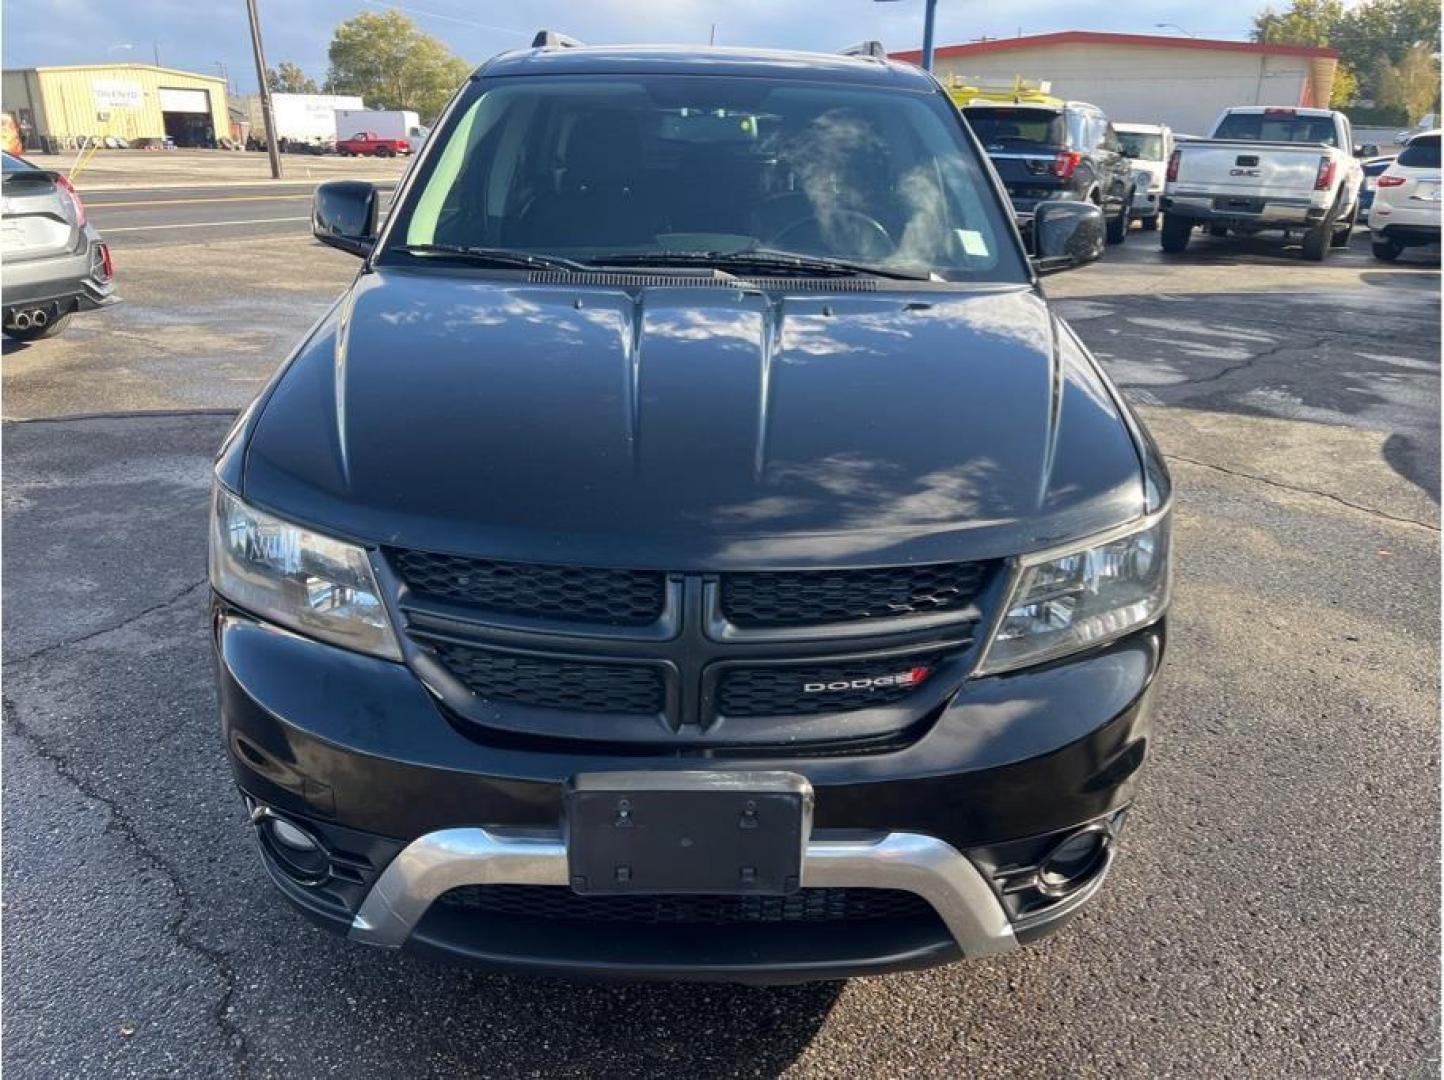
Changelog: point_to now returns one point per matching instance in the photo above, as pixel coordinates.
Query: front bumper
(1145, 204)
(411, 806)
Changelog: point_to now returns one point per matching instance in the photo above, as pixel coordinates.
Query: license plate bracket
(684, 832)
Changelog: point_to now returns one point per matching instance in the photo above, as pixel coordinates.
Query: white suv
(1406, 199)
(1150, 146)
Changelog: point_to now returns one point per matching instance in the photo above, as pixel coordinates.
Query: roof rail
(550, 39)
(866, 48)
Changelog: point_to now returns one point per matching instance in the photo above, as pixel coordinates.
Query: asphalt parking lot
(1275, 907)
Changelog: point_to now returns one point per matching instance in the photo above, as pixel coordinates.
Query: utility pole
(155, 51)
(930, 13)
(272, 150)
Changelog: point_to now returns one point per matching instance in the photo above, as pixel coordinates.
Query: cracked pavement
(1275, 906)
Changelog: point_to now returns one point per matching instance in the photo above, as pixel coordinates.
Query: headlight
(300, 579)
(1067, 599)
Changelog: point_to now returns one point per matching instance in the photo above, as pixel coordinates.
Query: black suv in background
(691, 547)
(1065, 151)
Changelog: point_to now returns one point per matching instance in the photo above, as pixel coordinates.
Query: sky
(211, 35)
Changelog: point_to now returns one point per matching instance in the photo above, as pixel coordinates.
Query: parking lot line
(183, 202)
(203, 224)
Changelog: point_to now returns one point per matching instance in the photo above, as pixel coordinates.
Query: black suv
(1066, 151)
(691, 547)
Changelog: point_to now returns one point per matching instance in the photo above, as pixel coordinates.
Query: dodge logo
(911, 677)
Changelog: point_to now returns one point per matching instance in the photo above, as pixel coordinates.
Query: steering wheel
(861, 236)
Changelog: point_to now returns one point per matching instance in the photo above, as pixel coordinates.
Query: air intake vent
(546, 683)
(815, 597)
(812, 689)
(624, 280)
(803, 906)
(570, 593)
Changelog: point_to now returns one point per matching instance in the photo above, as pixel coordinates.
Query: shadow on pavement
(1317, 355)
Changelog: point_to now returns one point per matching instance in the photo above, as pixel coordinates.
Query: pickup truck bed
(1269, 171)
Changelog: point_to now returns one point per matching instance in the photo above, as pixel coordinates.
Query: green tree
(288, 78)
(391, 64)
(1372, 38)
(1411, 85)
(1307, 22)
(1345, 90)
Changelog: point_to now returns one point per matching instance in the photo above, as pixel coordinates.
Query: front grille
(572, 593)
(581, 686)
(803, 906)
(783, 690)
(812, 597)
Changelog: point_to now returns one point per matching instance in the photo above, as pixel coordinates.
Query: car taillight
(1389, 181)
(70, 193)
(1065, 163)
(1173, 166)
(1326, 174)
(106, 270)
(1276, 111)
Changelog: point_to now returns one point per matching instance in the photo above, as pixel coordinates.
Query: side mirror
(343, 215)
(1066, 234)
(1367, 150)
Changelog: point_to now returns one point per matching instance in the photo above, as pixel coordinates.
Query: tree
(1411, 85)
(391, 64)
(1307, 22)
(1373, 39)
(288, 78)
(1345, 90)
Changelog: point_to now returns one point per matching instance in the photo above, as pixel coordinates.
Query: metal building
(55, 106)
(1184, 82)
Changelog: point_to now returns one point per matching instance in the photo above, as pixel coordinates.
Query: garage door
(186, 101)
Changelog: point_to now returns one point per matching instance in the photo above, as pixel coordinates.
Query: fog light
(1074, 862)
(290, 836)
(293, 849)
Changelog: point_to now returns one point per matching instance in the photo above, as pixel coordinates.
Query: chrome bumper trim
(439, 861)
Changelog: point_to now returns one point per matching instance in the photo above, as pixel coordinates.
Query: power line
(447, 18)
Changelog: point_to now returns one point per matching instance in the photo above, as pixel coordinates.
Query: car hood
(693, 426)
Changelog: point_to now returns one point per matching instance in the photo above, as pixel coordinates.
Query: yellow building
(56, 105)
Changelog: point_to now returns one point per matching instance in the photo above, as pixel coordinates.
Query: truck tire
(1218, 231)
(1118, 227)
(1318, 239)
(1344, 230)
(1176, 230)
(1386, 250)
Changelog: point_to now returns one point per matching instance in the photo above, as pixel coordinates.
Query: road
(197, 215)
(1275, 906)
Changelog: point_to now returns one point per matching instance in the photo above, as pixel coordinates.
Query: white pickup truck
(1267, 167)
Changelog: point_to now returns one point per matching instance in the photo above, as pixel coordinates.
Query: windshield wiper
(763, 260)
(493, 256)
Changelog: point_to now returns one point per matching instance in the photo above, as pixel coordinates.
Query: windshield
(1276, 127)
(685, 167)
(998, 128)
(1141, 146)
(1421, 153)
